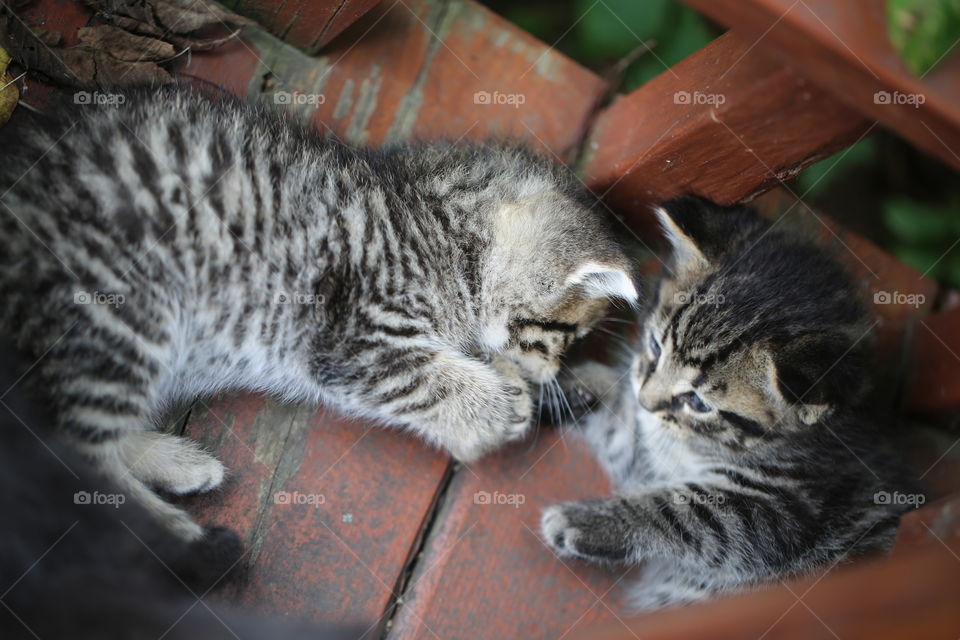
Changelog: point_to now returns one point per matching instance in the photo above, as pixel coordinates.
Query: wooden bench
(401, 544)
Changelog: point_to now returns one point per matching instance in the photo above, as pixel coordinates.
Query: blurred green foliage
(923, 31)
(881, 179)
(927, 235)
(600, 33)
(880, 187)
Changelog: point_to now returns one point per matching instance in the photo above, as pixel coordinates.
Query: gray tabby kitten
(176, 246)
(736, 439)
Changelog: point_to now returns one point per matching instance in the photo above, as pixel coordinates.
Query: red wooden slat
(486, 574)
(308, 24)
(843, 47)
(911, 595)
(424, 70)
(726, 123)
(329, 509)
(934, 525)
(935, 364)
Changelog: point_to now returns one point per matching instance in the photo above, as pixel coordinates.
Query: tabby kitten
(174, 246)
(739, 448)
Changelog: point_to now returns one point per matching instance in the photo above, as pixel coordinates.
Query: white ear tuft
(604, 282)
(687, 255)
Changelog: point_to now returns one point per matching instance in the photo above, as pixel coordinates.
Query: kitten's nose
(644, 402)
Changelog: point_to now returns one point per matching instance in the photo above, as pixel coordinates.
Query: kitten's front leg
(669, 522)
(593, 529)
(464, 405)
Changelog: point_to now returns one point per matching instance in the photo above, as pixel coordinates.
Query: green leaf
(923, 259)
(683, 33)
(611, 29)
(923, 31)
(918, 223)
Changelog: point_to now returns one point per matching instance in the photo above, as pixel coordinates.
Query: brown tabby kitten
(173, 246)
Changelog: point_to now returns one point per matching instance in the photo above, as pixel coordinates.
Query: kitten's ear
(817, 372)
(601, 281)
(701, 231)
(687, 256)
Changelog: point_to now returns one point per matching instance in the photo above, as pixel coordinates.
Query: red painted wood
(329, 508)
(62, 16)
(934, 367)
(844, 47)
(308, 24)
(911, 595)
(231, 66)
(419, 69)
(935, 458)
(486, 574)
(451, 70)
(934, 525)
(727, 123)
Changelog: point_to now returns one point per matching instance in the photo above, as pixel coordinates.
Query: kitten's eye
(654, 348)
(695, 402)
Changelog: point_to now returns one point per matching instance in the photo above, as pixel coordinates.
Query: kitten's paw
(172, 464)
(585, 530)
(518, 397)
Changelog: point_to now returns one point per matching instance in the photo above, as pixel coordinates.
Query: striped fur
(176, 246)
(736, 438)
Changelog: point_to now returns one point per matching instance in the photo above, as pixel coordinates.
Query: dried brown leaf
(140, 34)
(113, 73)
(124, 45)
(9, 92)
(177, 16)
(185, 16)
